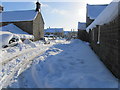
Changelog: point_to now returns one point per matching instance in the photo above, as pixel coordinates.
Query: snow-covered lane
(72, 65)
(18, 65)
(17, 59)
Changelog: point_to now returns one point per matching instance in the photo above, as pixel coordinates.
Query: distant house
(82, 34)
(30, 21)
(67, 34)
(58, 32)
(104, 34)
(93, 11)
(70, 34)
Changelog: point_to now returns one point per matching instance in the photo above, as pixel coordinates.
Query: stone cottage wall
(108, 46)
(83, 35)
(26, 26)
(38, 27)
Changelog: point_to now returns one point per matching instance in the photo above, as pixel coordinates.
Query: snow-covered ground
(14, 60)
(63, 65)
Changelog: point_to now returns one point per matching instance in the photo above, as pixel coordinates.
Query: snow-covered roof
(94, 10)
(13, 16)
(108, 14)
(15, 30)
(67, 32)
(81, 26)
(54, 30)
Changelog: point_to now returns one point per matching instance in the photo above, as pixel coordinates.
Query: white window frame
(93, 35)
(98, 42)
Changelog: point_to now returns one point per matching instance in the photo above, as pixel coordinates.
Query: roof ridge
(81, 22)
(18, 10)
(98, 4)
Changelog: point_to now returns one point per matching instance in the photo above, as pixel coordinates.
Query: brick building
(104, 37)
(30, 21)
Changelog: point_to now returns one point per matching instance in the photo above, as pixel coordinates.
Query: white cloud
(62, 12)
(98, 1)
(44, 5)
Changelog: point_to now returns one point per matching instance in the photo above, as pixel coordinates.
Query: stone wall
(104, 41)
(26, 26)
(38, 27)
(89, 21)
(83, 35)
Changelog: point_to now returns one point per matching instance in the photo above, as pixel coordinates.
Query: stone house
(92, 12)
(30, 21)
(104, 37)
(82, 34)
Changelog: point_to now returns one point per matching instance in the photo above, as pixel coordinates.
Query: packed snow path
(72, 65)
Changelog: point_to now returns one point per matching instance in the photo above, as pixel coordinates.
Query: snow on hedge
(108, 14)
(15, 30)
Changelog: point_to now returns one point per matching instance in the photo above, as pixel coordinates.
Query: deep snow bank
(72, 65)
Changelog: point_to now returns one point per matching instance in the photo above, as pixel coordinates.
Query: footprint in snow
(81, 61)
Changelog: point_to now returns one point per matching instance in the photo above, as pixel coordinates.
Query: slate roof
(94, 10)
(13, 16)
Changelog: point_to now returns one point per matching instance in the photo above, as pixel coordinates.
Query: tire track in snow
(16, 56)
(18, 69)
(35, 77)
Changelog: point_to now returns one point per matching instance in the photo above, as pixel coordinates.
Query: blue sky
(56, 14)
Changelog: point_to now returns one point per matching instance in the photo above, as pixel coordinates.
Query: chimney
(38, 6)
(1, 8)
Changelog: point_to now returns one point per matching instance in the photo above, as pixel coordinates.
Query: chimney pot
(38, 6)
